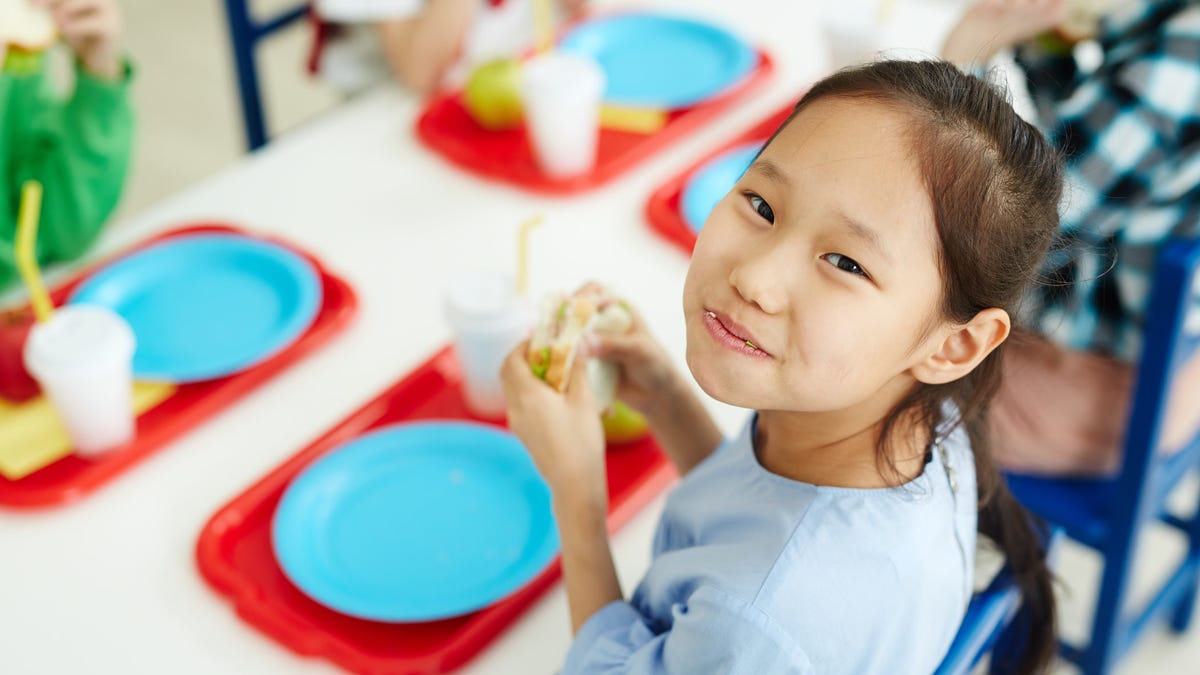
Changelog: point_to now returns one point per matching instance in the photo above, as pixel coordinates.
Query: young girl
(854, 289)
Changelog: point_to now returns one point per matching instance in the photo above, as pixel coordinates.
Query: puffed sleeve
(712, 632)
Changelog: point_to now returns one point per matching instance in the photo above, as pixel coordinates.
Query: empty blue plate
(207, 305)
(657, 61)
(713, 181)
(416, 522)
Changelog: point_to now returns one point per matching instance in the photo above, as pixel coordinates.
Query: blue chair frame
(993, 623)
(1106, 514)
(245, 32)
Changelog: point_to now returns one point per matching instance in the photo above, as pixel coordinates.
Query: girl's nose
(762, 280)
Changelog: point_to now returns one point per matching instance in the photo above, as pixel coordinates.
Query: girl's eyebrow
(771, 171)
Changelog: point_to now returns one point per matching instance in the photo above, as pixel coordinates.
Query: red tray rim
(329, 322)
(290, 629)
(681, 122)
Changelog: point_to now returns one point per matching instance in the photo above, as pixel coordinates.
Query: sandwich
(563, 322)
(26, 27)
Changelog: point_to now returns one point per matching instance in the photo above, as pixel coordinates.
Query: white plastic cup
(561, 93)
(489, 321)
(83, 359)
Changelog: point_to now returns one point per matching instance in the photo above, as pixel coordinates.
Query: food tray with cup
(682, 70)
(176, 389)
(678, 208)
(241, 554)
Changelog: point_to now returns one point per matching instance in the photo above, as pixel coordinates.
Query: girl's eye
(762, 208)
(844, 263)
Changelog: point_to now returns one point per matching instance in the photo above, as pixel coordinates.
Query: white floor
(189, 126)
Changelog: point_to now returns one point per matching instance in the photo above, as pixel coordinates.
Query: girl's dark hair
(995, 185)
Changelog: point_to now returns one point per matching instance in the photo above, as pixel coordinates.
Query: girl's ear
(963, 347)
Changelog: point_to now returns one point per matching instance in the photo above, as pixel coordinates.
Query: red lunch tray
(507, 156)
(235, 554)
(72, 477)
(663, 207)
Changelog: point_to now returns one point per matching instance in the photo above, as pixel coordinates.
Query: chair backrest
(992, 613)
(245, 32)
(989, 613)
(1169, 338)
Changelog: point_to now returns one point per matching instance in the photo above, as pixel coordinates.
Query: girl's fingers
(620, 348)
(579, 388)
(515, 367)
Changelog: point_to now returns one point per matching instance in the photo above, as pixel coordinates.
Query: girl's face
(814, 285)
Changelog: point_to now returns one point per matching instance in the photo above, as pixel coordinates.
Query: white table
(109, 585)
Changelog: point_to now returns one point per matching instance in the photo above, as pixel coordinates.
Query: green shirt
(77, 148)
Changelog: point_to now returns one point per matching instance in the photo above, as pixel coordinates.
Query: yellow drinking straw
(523, 252)
(27, 223)
(543, 25)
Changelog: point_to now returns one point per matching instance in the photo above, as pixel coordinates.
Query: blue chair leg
(1108, 639)
(243, 33)
(1181, 618)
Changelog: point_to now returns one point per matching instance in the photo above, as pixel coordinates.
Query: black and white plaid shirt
(1130, 130)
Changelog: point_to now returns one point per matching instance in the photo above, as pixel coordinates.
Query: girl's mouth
(727, 337)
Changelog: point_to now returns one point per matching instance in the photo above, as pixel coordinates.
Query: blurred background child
(422, 43)
(1127, 122)
(77, 143)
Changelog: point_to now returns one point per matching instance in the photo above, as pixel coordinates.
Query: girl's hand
(989, 26)
(562, 432)
(92, 29)
(647, 376)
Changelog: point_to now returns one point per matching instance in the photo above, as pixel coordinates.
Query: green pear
(623, 424)
(493, 94)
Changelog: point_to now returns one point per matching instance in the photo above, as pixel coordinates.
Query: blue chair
(1106, 514)
(245, 33)
(991, 623)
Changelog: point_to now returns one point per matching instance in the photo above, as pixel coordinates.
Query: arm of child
(82, 165)
(712, 632)
(8, 264)
(989, 26)
(421, 48)
(563, 436)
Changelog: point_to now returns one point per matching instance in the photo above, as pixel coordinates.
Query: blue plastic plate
(205, 306)
(713, 181)
(657, 61)
(416, 522)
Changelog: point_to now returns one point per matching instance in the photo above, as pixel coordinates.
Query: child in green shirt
(78, 147)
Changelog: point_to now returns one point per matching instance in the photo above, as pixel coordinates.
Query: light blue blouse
(755, 573)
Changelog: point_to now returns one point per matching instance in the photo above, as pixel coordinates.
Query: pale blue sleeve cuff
(608, 637)
(712, 633)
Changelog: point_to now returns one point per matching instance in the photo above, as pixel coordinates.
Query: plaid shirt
(1130, 132)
